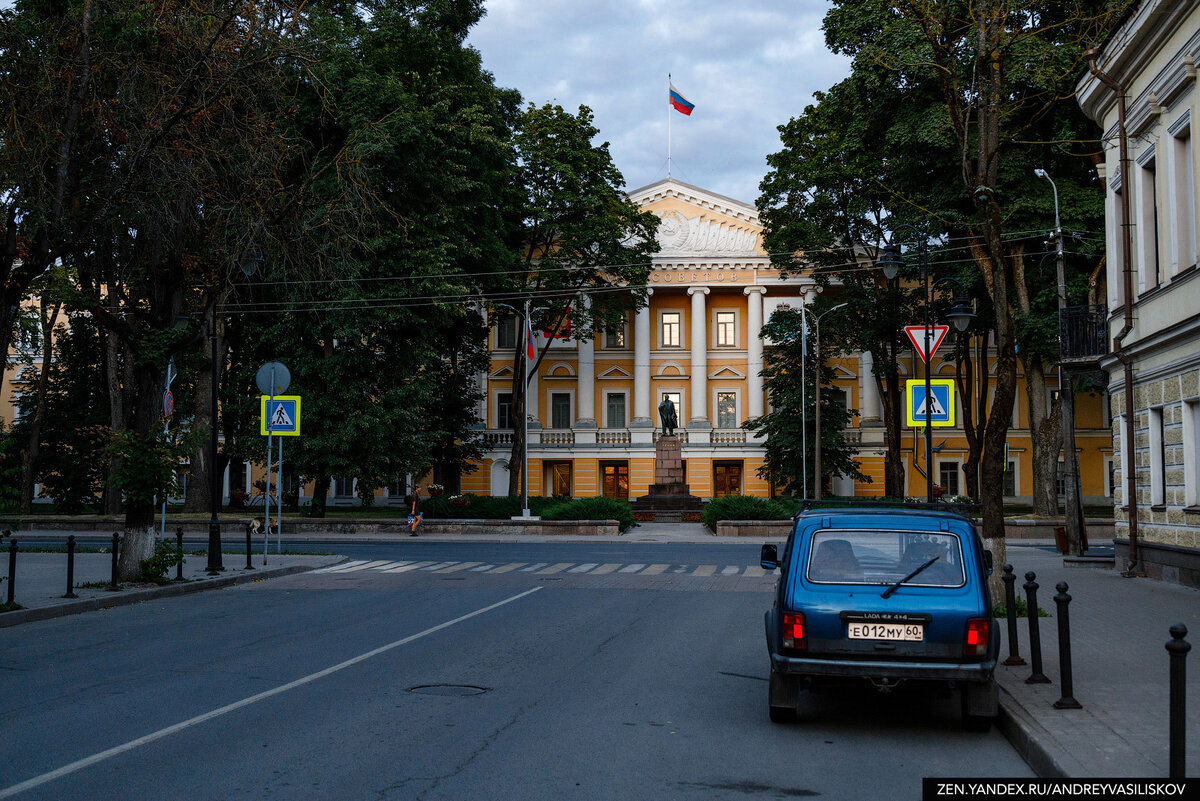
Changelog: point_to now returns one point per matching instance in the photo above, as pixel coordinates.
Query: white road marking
(754, 571)
(632, 568)
(730, 570)
(654, 570)
(507, 568)
(408, 567)
(558, 568)
(65, 770)
(367, 566)
(584, 567)
(605, 569)
(458, 567)
(533, 567)
(705, 570)
(342, 566)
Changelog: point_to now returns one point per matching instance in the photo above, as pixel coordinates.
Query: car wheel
(783, 694)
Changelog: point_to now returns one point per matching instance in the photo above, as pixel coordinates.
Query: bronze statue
(666, 412)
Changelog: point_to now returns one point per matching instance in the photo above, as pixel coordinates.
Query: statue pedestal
(668, 493)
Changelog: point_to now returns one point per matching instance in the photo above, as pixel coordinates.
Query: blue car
(882, 596)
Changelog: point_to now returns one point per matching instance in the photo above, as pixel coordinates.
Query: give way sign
(917, 334)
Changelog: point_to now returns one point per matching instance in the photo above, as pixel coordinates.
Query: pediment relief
(696, 222)
(618, 373)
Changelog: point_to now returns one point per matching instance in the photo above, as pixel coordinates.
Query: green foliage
(146, 466)
(166, 556)
(483, 507)
(743, 507)
(592, 509)
(1022, 609)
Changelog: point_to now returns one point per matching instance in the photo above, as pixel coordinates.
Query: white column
(870, 407)
(586, 368)
(699, 347)
(641, 368)
(754, 350)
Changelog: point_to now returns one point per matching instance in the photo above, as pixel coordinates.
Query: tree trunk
(1044, 435)
(320, 494)
(113, 369)
(893, 460)
(140, 529)
(199, 494)
(30, 454)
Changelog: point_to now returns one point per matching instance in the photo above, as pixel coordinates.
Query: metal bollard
(114, 584)
(1067, 701)
(179, 544)
(1010, 604)
(1035, 637)
(1178, 648)
(71, 567)
(12, 571)
(248, 546)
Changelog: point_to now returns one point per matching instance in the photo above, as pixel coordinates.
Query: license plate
(901, 632)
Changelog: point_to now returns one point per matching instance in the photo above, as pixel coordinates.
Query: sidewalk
(41, 581)
(1120, 673)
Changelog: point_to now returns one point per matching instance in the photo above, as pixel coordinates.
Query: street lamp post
(817, 398)
(1066, 390)
(960, 314)
(525, 335)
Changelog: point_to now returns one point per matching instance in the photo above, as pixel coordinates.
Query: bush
(743, 507)
(481, 507)
(166, 556)
(591, 509)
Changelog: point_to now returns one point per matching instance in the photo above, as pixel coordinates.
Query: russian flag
(680, 103)
(530, 350)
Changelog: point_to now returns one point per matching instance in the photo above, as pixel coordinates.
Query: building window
(506, 331)
(1110, 476)
(726, 329)
(1148, 230)
(1010, 480)
(727, 410)
(948, 478)
(615, 337)
(559, 479)
(615, 410)
(614, 479)
(727, 479)
(343, 486)
(1191, 453)
(671, 325)
(560, 410)
(1185, 199)
(1157, 460)
(504, 410)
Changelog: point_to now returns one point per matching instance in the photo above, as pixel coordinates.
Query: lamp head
(890, 262)
(1039, 172)
(961, 314)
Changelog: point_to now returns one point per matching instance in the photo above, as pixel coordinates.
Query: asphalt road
(543, 682)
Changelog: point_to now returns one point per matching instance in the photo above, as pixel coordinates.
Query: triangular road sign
(916, 333)
(281, 419)
(935, 410)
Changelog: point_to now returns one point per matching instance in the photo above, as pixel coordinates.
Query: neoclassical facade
(1152, 59)
(593, 411)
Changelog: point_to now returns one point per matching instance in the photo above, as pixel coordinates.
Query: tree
(790, 427)
(575, 233)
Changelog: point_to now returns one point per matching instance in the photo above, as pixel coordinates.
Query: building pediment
(726, 373)
(696, 223)
(616, 373)
(505, 373)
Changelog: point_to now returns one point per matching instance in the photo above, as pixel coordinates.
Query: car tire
(782, 697)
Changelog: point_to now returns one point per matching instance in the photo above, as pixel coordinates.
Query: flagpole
(668, 125)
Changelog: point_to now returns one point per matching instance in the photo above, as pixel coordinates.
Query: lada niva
(882, 595)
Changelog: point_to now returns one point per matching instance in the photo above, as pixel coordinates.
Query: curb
(131, 597)
(1029, 740)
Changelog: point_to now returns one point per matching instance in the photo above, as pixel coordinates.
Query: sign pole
(267, 493)
(279, 504)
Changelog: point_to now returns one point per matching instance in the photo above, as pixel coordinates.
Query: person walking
(414, 515)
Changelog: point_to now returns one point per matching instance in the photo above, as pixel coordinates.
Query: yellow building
(593, 406)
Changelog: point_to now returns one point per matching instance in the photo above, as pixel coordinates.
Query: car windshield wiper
(888, 592)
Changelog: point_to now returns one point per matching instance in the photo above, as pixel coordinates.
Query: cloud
(748, 67)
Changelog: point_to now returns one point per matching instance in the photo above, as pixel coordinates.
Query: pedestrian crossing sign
(282, 418)
(941, 400)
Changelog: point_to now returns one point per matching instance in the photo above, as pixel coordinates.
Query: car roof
(876, 510)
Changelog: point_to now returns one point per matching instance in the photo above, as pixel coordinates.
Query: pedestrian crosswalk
(544, 568)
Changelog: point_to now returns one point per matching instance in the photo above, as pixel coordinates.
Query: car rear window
(883, 557)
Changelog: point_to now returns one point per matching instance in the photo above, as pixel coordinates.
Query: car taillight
(793, 630)
(976, 643)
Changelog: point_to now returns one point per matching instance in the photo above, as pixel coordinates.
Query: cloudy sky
(748, 66)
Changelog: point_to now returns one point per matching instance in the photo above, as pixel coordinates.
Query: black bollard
(1010, 604)
(12, 571)
(71, 567)
(248, 565)
(114, 584)
(1067, 701)
(1035, 637)
(1178, 648)
(179, 544)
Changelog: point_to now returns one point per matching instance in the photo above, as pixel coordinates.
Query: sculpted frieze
(678, 234)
